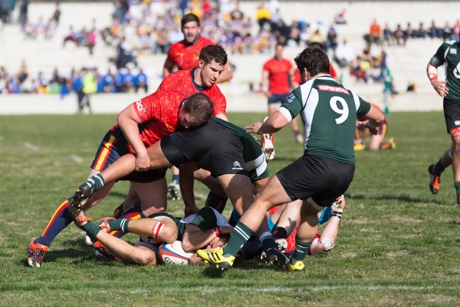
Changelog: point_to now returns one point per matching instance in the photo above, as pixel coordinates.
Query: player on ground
(448, 54)
(226, 150)
(207, 228)
(139, 125)
(376, 142)
(325, 170)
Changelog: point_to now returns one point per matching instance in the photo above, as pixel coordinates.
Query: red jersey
(159, 115)
(182, 81)
(186, 56)
(278, 77)
(332, 72)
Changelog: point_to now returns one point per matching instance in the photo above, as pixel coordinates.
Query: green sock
(300, 251)
(457, 187)
(97, 182)
(92, 229)
(120, 224)
(241, 234)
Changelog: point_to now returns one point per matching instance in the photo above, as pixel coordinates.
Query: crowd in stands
(122, 80)
(400, 36)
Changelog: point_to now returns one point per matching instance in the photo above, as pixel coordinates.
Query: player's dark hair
(189, 18)
(211, 53)
(315, 60)
(200, 107)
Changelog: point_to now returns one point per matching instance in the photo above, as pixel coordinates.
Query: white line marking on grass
(76, 158)
(31, 146)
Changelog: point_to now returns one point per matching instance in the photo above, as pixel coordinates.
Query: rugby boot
(80, 198)
(298, 266)
(216, 256)
(173, 190)
(435, 180)
(268, 145)
(275, 256)
(35, 254)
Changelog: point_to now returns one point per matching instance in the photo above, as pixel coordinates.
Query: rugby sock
(439, 168)
(300, 251)
(96, 181)
(241, 234)
(457, 187)
(384, 145)
(59, 220)
(279, 233)
(91, 229)
(175, 178)
(133, 213)
(119, 224)
(216, 202)
(267, 241)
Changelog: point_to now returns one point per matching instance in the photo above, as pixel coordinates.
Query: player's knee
(169, 234)
(455, 134)
(143, 257)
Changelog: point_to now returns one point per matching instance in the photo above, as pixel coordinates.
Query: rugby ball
(173, 254)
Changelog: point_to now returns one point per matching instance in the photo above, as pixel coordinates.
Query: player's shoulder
(167, 95)
(205, 41)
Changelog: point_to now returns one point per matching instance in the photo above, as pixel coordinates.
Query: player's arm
(432, 73)
(226, 74)
(264, 82)
(375, 118)
(275, 122)
(168, 67)
(194, 238)
(186, 179)
(128, 121)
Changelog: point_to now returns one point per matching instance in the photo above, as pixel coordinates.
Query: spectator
(344, 54)
(375, 33)
(91, 41)
(339, 19)
(421, 31)
(237, 14)
(23, 12)
(447, 32)
(410, 33)
(161, 42)
(456, 31)
(263, 17)
(331, 39)
(57, 13)
(316, 37)
(399, 36)
(434, 31)
(70, 36)
(388, 35)
(22, 74)
(140, 81)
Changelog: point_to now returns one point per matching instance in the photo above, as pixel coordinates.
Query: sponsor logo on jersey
(291, 98)
(335, 89)
(457, 123)
(453, 51)
(140, 106)
(237, 165)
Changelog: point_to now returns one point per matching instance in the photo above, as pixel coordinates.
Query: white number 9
(343, 112)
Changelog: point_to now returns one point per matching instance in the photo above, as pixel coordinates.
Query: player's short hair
(211, 53)
(200, 107)
(314, 59)
(189, 18)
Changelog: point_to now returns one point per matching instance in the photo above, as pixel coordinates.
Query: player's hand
(268, 94)
(253, 128)
(142, 162)
(440, 87)
(189, 209)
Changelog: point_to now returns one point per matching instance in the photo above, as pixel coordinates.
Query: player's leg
(152, 196)
(273, 194)
(60, 219)
(455, 133)
(435, 171)
(216, 198)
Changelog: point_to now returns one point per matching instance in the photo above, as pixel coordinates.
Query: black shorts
(112, 147)
(212, 146)
(451, 113)
(316, 177)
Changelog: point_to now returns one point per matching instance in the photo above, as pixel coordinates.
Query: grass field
(398, 245)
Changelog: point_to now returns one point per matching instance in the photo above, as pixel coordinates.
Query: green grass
(398, 245)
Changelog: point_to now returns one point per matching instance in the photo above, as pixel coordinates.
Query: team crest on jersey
(237, 165)
(291, 98)
(140, 106)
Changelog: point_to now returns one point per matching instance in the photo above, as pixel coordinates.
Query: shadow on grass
(244, 264)
(400, 198)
